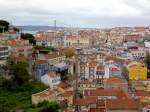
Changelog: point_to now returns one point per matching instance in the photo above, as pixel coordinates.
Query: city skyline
(76, 13)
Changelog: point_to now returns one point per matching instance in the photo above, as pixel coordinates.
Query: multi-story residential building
(86, 84)
(88, 70)
(113, 69)
(136, 54)
(133, 37)
(4, 52)
(20, 47)
(92, 70)
(116, 83)
(137, 70)
(50, 38)
(74, 41)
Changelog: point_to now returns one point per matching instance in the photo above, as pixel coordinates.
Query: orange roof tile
(40, 61)
(63, 85)
(92, 64)
(66, 94)
(52, 74)
(115, 80)
(97, 110)
(54, 55)
(100, 68)
(142, 93)
(122, 104)
(106, 92)
(45, 93)
(85, 101)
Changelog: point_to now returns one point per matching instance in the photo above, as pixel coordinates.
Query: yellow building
(137, 70)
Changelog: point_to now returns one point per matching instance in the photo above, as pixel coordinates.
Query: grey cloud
(34, 12)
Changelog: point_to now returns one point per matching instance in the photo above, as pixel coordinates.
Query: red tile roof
(97, 110)
(51, 74)
(40, 61)
(66, 94)
(107, 92)
(45, 93)
(122, 104)
(63, 85)
(85, 101)
(54, 55)
(142, 93)
(115, 80)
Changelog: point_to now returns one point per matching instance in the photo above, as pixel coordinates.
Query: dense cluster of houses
(106, 73)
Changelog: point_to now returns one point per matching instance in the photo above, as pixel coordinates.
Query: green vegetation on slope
(14, 96)
(16, 92)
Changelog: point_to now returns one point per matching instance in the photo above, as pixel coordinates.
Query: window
(91, 70)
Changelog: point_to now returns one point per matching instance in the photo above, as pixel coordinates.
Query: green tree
(125, 72)
(50, 107)
(20, 72)
(63, 74)
(28, 36)
(4, 26)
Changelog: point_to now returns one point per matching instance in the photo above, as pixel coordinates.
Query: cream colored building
(46, 95)
(73, 41)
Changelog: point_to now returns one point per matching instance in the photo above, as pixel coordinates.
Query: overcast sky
(76, 13)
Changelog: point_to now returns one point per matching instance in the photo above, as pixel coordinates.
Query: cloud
(85, 13)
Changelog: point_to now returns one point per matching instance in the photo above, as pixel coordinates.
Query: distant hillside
(37, 28)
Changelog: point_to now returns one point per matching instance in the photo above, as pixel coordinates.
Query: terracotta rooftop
(115, 80)
(88, 64)
(51, 74)
(97, 110)
(100, 68)
(45, 93)
(40, 61)
(66, 94)
(122, 104)
(85, 101)
(142, 93)
(63, 85)
(54, 55)
(92, 64)
(107, 92)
